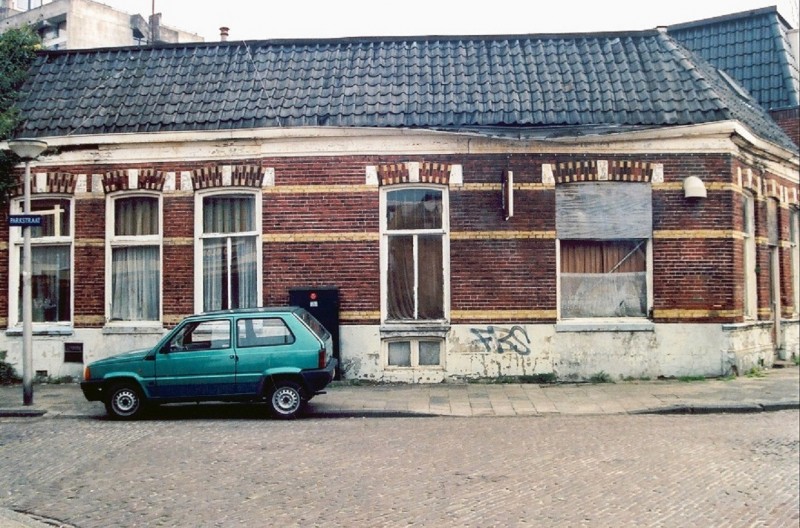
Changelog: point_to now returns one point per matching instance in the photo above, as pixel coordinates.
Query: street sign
(25, 220)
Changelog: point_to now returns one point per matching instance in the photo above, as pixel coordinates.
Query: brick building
(486, 206)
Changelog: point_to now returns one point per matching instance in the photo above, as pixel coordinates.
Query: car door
(258, 340)
(198, 361)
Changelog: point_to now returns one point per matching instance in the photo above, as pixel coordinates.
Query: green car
(279, 355)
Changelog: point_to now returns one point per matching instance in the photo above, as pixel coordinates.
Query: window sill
(43, 330)
(747, 324)
(415, 329)
(606, 325)
(133, 328)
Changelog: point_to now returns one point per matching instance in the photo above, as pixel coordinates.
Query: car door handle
(235, 357)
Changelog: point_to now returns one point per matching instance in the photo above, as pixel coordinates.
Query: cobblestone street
(195, 470)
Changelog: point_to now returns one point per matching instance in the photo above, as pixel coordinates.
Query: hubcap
(286, 400)
(125, 401)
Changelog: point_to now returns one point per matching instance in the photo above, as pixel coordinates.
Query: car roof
(248, 311)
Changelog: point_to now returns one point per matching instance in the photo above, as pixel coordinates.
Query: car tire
(286, 400)
(125, 401)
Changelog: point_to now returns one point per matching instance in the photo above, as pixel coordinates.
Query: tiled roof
(753, 48)
(588, 81)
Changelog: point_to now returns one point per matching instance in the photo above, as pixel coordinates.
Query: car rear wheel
(125, 401)
(286, 400)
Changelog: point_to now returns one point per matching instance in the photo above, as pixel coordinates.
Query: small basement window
(414, 353)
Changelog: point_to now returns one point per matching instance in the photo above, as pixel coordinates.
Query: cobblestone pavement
(189, 468)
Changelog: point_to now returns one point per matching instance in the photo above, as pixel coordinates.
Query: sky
(276, 19)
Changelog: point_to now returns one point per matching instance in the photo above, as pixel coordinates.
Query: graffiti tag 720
(502, 340)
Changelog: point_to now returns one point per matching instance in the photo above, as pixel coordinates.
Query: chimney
(223, 34)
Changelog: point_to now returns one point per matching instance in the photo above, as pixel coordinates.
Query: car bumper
(92, 390)
(318, 379)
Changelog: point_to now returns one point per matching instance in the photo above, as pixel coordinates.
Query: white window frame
(414, 359)
(15, 256)
(749, 259)
(200, 237)
(113, 241)
(648, 285)
(384, 256)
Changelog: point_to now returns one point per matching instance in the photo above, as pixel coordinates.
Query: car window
(266, 331)
(313, 324)
(204, 335)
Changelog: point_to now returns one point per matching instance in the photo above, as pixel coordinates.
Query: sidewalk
(777, 389)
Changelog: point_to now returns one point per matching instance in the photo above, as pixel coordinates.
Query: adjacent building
(484, 206)
(76, 24)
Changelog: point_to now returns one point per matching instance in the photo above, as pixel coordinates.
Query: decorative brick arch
(240, 176)
(602, 170)
(55, 183)
(120, 180)
(414, 172)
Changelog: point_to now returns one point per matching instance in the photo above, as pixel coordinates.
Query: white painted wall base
(570, 352)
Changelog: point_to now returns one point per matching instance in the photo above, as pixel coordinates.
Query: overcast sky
(268, 19)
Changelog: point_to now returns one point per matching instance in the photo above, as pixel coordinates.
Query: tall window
(749, 257)
(229, 251)
(135, 243)
(414, 234)
(51, 259)
(604, 231)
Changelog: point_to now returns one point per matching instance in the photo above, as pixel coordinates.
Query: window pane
(202, 336)
(263, 332)
(401, 277)
(55, 217)
(228, 214)
(215, 274)
(414, 209)
(243, 273)
(400, 353)
(50, 284)
(429, 352)
(135, 283)
(431, 277)
(604, 294)
(594, 256)
(136, 216)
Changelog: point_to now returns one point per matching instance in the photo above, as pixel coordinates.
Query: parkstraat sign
(25, 220)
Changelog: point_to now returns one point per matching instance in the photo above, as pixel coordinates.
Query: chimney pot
(223, 33)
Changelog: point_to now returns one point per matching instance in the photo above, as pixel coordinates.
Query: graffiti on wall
(502, 340)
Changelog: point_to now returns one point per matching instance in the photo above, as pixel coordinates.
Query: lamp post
(28, 150)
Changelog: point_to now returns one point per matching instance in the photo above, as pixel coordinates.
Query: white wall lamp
(693, 187)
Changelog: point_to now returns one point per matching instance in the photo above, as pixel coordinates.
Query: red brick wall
(696, 255)
(789, 121)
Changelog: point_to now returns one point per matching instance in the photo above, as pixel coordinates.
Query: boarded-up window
(603, 230)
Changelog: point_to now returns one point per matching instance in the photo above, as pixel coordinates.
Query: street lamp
(28, 150)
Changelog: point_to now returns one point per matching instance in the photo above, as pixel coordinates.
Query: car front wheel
(125, 401)
(287, 400)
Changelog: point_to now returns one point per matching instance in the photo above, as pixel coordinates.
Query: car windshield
(313, 324)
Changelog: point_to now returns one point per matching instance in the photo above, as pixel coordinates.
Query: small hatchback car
(279, 355)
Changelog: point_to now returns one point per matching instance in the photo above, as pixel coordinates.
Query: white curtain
(135, 283)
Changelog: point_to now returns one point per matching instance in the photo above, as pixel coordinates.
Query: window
(749, 257)
(603, 278)
(230, 253)
(203, 335)
(414, 226)
(134, 289)
(51, 259)
(604, 231)
(414, 353)
(263, 332)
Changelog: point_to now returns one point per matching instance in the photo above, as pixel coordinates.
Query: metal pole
(27, 300)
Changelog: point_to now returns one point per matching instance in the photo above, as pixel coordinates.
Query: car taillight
(87, 374)
(322, 357)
